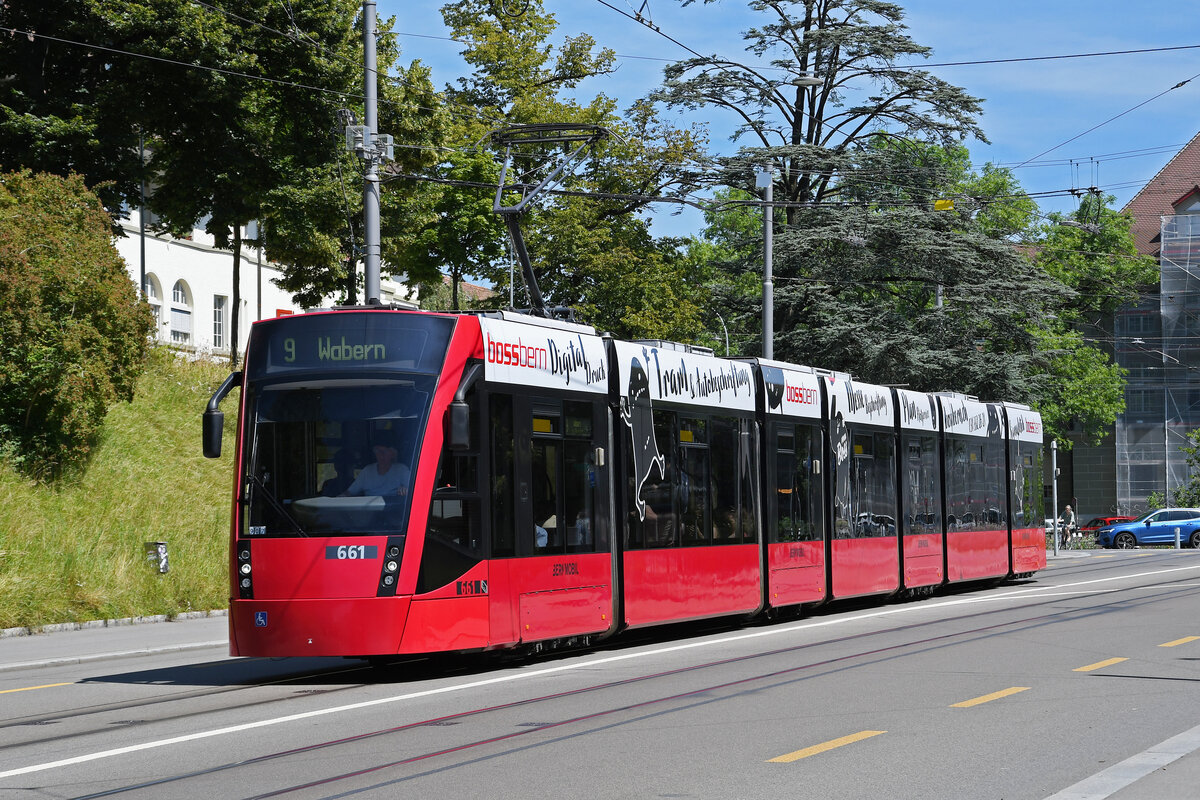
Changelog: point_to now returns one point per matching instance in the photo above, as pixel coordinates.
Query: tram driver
(385, 476)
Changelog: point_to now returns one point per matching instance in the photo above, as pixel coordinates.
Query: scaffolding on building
(1158, 342)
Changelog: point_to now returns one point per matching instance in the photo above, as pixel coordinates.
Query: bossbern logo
(552, 361)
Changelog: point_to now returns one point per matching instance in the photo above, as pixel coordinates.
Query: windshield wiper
(275, 504)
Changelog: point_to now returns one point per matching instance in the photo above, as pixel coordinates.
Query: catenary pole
(371, 179)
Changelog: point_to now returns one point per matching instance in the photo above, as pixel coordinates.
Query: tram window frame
(1026, 492)
(682, 512)
(796, 489)
(921, 449)
(454, 530)
(872, 504)
(502, 478)
(974, 474)
(562, 441)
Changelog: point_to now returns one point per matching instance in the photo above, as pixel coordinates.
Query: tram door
(549, 510)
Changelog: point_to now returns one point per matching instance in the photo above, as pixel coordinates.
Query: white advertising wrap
(963, 417)
(791, 393)
(545, 357)
(674, 376)
(918, 411)
(862, 403)
(1024, 425)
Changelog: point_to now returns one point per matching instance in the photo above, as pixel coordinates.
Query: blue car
(1154, 527)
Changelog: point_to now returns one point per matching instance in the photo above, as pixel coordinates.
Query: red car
(1097, 523)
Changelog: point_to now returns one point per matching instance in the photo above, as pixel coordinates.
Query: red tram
(415, 482)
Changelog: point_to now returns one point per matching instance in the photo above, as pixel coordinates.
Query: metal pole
(371, 179)
(258, 289)
(765, 180)
(1054, 490)
(142, 212)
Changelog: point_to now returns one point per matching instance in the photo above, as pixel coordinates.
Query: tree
(1187, 495)
(1092, 253)
(257, 138)
(804, 132)
(592, 253)
(73, 335)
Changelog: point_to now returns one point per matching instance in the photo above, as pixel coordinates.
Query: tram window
(544, 495)
(864, 445)
(726, 461)
(1027, 500)
(872, 490)
(579, 496)
(453, 531)
(693, 431)
(693, 492)
(657, 527)
(578, 419)
(502, 476)
(795, 510)
(563, 477)
(922, 511)
(976, 485)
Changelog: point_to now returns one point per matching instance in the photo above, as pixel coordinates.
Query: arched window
(154, 298)
(181, 314)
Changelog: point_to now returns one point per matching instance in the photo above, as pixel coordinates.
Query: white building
(189, 285)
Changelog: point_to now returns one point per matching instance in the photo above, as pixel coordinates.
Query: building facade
(1158, 342)
(189, 285)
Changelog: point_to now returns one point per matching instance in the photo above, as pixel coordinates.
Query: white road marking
(1112, 780)
(1018, 594)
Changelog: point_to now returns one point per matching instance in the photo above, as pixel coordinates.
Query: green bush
(74, 550)
(73, 333)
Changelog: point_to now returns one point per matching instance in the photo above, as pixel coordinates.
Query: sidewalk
(97, 641)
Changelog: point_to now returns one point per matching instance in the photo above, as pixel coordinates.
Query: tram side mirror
(214, 425)
(214, 420)
(460, 425)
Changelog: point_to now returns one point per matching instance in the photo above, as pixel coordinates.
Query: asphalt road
(1083, 682)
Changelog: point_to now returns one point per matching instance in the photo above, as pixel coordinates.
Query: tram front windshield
(333, 457)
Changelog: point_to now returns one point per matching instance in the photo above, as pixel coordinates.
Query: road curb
(61, 627)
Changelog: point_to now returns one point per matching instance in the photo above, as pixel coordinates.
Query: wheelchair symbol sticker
(260, 619)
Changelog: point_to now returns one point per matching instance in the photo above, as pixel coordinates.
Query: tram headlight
(245, 568)
(245, 583)
(391, 566)
(393, 551)
(388, 580)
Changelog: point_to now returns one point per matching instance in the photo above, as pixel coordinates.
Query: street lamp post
(764, 180)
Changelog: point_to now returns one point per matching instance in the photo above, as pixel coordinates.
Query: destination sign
(351, 340)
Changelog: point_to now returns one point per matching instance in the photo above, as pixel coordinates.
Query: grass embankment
(74, 551)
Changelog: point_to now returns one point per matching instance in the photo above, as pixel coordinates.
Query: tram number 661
(351, 552)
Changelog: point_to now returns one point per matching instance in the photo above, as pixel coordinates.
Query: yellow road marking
(1107, 556)
(821, 748)
(1106, 663)
(1184, 640)
(987, 698)
(31, 688)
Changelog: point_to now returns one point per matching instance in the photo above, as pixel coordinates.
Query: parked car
(1153, 527)
(1094, 525)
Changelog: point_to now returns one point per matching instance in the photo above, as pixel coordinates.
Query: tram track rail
(613, 715)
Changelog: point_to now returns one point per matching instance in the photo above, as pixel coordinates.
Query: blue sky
(1029, 107)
